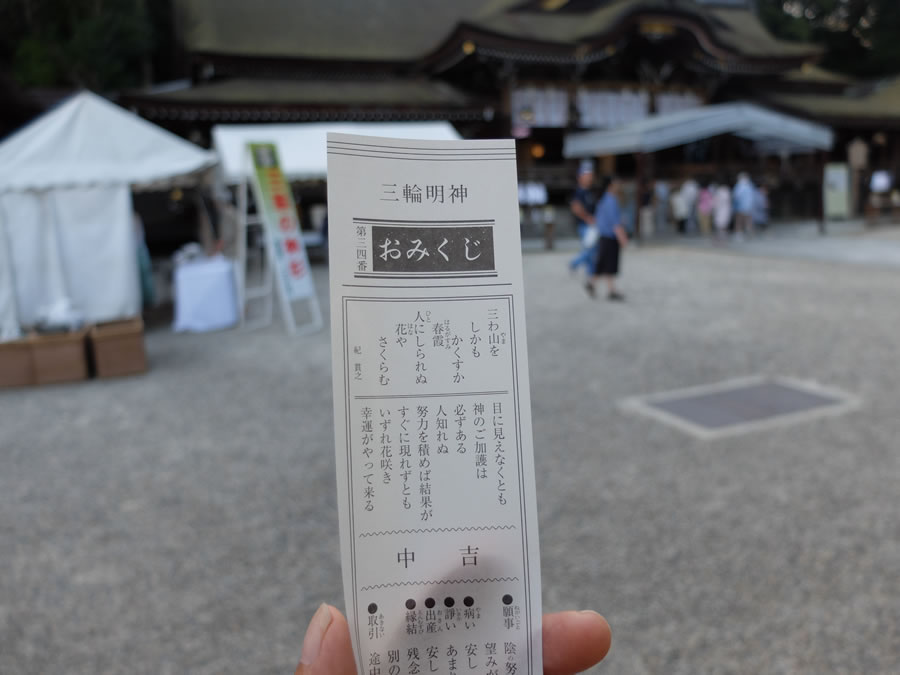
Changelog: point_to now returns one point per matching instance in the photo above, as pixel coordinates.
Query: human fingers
(574, 641)
(327, 649)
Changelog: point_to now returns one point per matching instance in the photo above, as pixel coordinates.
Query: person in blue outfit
(612, 239)
(743, 196)
(583, 203)
(761, 207)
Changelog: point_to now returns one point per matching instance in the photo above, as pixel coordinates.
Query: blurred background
(717, 456)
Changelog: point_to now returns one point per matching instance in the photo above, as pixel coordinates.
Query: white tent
(773, 131)
(65, 205)
(302, 147)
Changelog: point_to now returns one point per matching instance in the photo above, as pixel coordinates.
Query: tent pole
(10, 278)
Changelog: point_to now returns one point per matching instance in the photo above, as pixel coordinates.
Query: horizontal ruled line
(419, 152)
(449, 273)
(422, 530)
(466, 153)
(413, 277)
(418, 158)
(462, 393)
(508, 148)
(505, 283)
(438, 581)
(395, 221)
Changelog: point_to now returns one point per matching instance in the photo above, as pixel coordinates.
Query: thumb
(326, 648)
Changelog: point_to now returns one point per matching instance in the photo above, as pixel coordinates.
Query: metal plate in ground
(741, 406)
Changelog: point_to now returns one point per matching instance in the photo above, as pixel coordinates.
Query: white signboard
(671, 102)
(540, 107)
(836, 190)
(435, 469)
(611, 108)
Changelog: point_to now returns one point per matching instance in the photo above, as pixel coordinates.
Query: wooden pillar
(640, 172)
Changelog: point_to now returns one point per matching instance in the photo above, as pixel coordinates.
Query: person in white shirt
(722, 208)
(679, 210)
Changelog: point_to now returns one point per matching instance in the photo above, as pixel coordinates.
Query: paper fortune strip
(439, 539)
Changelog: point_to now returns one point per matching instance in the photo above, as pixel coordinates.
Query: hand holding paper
(573, 641)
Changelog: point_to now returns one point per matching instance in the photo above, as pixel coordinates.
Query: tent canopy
(88, 141)
(65, 207)
(773, 131)
(302, 147)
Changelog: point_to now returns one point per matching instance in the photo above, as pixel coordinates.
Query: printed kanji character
(412, 193)
(458, 193)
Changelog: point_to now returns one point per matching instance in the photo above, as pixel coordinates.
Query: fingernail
(588, 611)
(315, 634)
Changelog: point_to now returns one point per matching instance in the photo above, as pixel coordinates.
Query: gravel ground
(185, 521)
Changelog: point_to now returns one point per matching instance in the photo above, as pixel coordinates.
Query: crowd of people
(711, 207)
(692, 208)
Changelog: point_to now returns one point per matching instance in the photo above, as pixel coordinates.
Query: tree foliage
(100, 44)
(860, 37)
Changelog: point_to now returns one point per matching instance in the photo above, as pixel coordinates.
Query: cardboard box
(117, 348)
(59, 357)
(16, 365)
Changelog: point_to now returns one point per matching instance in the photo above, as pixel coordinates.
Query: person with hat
(583, 203)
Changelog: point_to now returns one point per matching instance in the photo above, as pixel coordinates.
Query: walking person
(689, 193)
(679, 210)
(744, 193)
(722, 209)
(612, 240)
(583, 203)
(661, 203)
(761, 208)
(645, 209)
(705, 208)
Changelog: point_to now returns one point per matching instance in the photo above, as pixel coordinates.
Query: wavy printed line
(441, 581)
(439, 529)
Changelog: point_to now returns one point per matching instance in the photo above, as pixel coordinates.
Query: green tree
(860, 37)
(100, 44)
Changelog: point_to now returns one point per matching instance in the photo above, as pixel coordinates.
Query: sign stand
(262, 291)
(283, 262)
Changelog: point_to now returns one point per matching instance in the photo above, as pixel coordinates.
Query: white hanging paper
(435, 468)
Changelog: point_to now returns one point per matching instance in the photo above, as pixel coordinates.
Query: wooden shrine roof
(411, 30)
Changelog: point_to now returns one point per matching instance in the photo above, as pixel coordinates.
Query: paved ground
(849, 242)
(185, 522)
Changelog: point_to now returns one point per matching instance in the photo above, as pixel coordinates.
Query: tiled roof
(413, 92)
(881, 103)
(408, 30)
